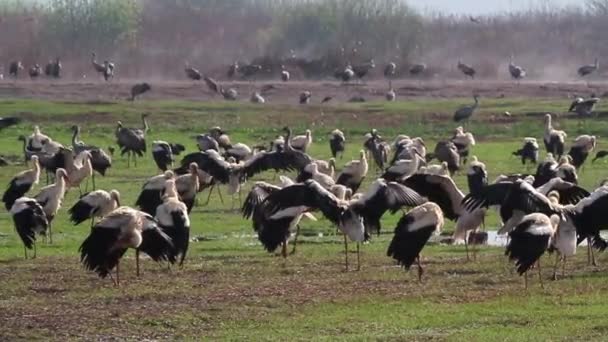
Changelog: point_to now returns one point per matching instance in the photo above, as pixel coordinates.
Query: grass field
(232, 289)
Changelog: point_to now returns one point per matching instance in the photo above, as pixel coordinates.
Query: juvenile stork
(50, 198)
(152, 190)
(554, 139)
(412, 232)
(29, 220)
(172, 218)
(354, 172)
(21, 184)
(529, 151)
(582, 146)
(302, 142)
(98, 203)
(463, 141)
(120, 230)
(337, 143)
(529, 240)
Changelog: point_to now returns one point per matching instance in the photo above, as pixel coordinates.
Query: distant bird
(305, 97)
(464, 113)
(466, 69)
(391, 95)
(233, 70)
(474, 20)
(213, 85)
(151, 193)
(53, 68)
(9, 121)
(554, 139)
(100, 68)
(529, 151)
(517, 72)
(139, 89)
(173, 220)
(120, 230)
(417, 69)
(108, 72)
(192, 73)
(132, 141)
(249, 70)
(588, 69)
(583, 107)
(389, 72)
(21, 184)
(35, 71)
(50, 198)
(326, 99)
(346, 74)
(285, 76)
(529, 240)
(412, 232)
(337, 143)
(29, 220)
(14, 68)
(580, 149)
(229, 94)
(354, 172)
(206, 142)
(362, 70)
(98, 203)
(257, 98)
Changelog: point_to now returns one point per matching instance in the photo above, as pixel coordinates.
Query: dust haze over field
(154, 39)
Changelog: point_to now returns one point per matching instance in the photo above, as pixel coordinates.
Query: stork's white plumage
(172, 218)
(529, 240)
(82, 169)
(554, 139)
(151, 193)
(120, 230)
(354, 172)
(98, 203)
(29, 220)
(412, 232)
(302, 142)
(188, 186)
(50, 197)
(22, 183)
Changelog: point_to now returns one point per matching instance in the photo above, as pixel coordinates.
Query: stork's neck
(145, 123)
(75, 136)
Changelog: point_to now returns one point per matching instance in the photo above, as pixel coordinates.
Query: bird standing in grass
(120, 230)
(98, 203)
(464, 113)
(529, 240)
(51, 197)
(29, 220)
(413, 231)
(21, 184)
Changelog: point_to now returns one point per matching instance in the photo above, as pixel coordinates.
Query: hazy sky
(485, 6)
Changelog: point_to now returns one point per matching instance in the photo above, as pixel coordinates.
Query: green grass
(232, 289)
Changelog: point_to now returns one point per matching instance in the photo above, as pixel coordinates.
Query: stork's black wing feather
(256, 196)
(276, 160)
(493, 194)
(309, 194)
(217, 168)
(436, 189)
